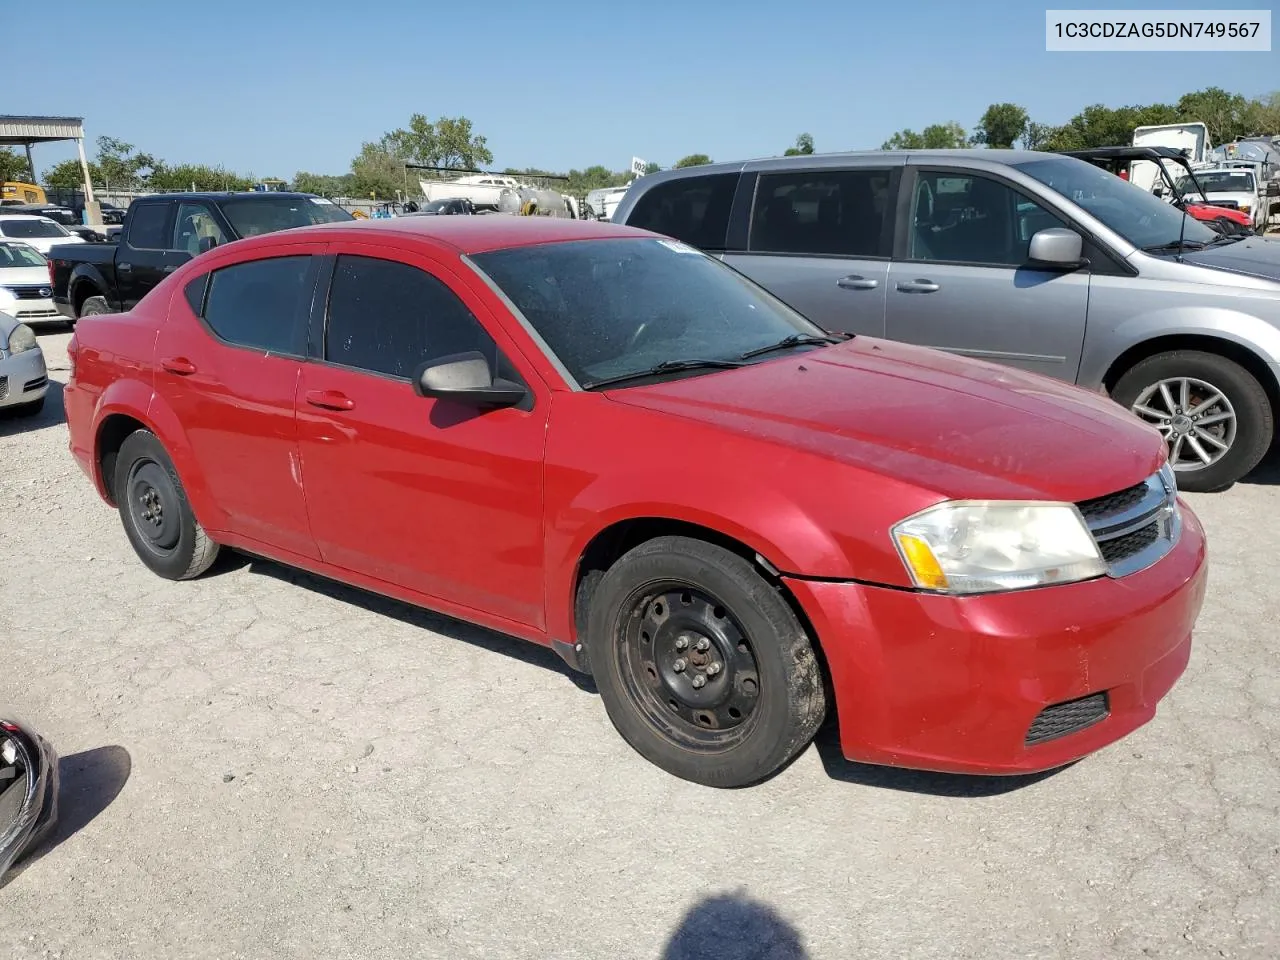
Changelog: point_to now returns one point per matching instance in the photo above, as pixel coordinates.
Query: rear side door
(960, 279)
(144, 257)
(820, 240)
(228, 364)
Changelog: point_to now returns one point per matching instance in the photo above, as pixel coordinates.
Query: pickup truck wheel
(1214, 415)
(157, 517)
(94, 306)
(702, 666)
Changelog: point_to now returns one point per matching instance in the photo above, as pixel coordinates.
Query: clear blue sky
(272, 88)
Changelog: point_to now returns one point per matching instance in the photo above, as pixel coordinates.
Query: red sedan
(607, 442)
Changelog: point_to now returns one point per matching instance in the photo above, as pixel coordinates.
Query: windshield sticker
(679, 247)
(321, 200)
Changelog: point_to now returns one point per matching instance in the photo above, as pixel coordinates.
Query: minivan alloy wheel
(1195, 418)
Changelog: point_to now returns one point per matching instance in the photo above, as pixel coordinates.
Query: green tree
(13, 166)
(936, 136)
(448, 142)
(1226, 115)
(1035, 134)
(1101, 126)
(803, 147)
(652, 168)
(1001, 125)
(68, 175)
(323, 184)
(121, 167)
(378, 172)
(693, 160)
(196, 176)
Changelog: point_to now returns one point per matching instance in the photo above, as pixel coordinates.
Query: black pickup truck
(162, 232)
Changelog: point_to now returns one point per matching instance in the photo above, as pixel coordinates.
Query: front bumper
(32, 311)
(955, 683)
(23, 378)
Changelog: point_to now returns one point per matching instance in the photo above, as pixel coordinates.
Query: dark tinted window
(692, 209)
(251, 216)
(968, 219)
(391, 318)
(147, 226)
(194, 292)
(259, 303)
(821, 212)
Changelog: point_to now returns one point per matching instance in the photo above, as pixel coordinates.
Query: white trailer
(1191, 138)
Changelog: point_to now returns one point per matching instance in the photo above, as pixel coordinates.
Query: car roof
(466, 235)
(23, 216)
(857, 157)
(1127, 153)
(226, 195)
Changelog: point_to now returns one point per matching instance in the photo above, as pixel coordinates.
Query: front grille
(35, 384)
(31, 293)
(1064, 718)
(1133, 527)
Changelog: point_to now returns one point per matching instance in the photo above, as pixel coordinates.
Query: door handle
(855, 282)
(179, 365)
(126, 267)
(918, 286)
(330, 400)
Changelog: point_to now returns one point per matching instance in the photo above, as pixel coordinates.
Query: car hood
(957, 427)
(1255, 256)
(24, 277)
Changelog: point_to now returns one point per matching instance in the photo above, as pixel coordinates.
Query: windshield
(436, 206)
(612, 307)
(30, 229)
(1224, 181)
(252, 216)
(20, 255)
(1138, 216)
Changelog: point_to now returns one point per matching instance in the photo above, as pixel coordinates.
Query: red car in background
(604, 441)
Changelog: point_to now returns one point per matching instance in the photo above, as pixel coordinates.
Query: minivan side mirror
(1056, 247)
(466, 378)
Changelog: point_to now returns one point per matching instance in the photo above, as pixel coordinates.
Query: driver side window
(194, 223)
(962, 218)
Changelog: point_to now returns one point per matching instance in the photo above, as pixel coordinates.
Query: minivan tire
(1254, 419)
(732, 712)
(157, 517)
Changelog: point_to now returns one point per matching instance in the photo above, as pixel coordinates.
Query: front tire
(157, 518)
(702, 665)
(1214, 415)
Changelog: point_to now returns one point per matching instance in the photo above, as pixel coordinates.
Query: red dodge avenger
(606, 442)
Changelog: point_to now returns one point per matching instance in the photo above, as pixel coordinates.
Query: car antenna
(1182, 208)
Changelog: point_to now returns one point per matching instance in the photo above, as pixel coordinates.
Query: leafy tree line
(1228, 117)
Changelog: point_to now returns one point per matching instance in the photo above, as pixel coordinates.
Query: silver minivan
(1030, 259)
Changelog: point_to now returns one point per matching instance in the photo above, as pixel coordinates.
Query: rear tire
(94, 306)
(153, 507)
(1227, 408)
(702, 665)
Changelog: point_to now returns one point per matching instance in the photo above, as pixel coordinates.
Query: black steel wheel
(701, 663)
(153, 507)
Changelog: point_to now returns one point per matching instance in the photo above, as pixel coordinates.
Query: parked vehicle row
(1031, 260)
(603, 440)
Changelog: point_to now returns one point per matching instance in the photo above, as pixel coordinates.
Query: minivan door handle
(918, 286)
(330, 400)
(855, 282)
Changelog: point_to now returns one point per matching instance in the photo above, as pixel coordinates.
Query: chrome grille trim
(1156, 508)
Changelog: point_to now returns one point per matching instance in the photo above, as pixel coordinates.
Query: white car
(1235, 187)
(25, 290)
(41, 232)
(23, 378)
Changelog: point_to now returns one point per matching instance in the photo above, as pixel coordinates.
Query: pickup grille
(34, 292)
(1133, 527)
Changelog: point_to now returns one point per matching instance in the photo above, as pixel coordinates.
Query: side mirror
(28, 791)
(1056, 247)
(1273, 188)
(207, 244)
(466, 377)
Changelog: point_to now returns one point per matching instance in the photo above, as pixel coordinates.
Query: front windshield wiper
(1225, 239)
(666, 366)
(1174, 245)
(795, 340)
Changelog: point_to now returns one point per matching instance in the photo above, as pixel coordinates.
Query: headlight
(985, 546)
(1245, 208)
(22, 339)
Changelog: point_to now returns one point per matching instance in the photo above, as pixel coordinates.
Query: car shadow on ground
(54, 413)
(490, 640)
(1267, 473)
(732, 925)
(89, 782)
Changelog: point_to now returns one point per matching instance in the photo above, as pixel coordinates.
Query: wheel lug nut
(682, 643)
(713, 668)
(699, 682)
(702, 644)
(679, 665)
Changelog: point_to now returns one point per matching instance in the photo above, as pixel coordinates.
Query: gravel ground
(264, 764)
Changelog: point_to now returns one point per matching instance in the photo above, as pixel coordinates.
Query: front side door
(228, 361)
(429, 494)
(144, 257)
(960, 280)
(820, 240)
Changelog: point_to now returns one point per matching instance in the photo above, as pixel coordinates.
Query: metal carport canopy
(18, 131)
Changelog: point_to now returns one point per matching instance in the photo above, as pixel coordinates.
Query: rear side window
(692, 209)
(821, 212)
(259, 304)
(147, 226)
(390, 318)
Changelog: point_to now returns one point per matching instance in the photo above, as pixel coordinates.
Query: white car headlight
(986, 546)
(22, 339)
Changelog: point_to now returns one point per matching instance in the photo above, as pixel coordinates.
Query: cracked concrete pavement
(264, 764)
